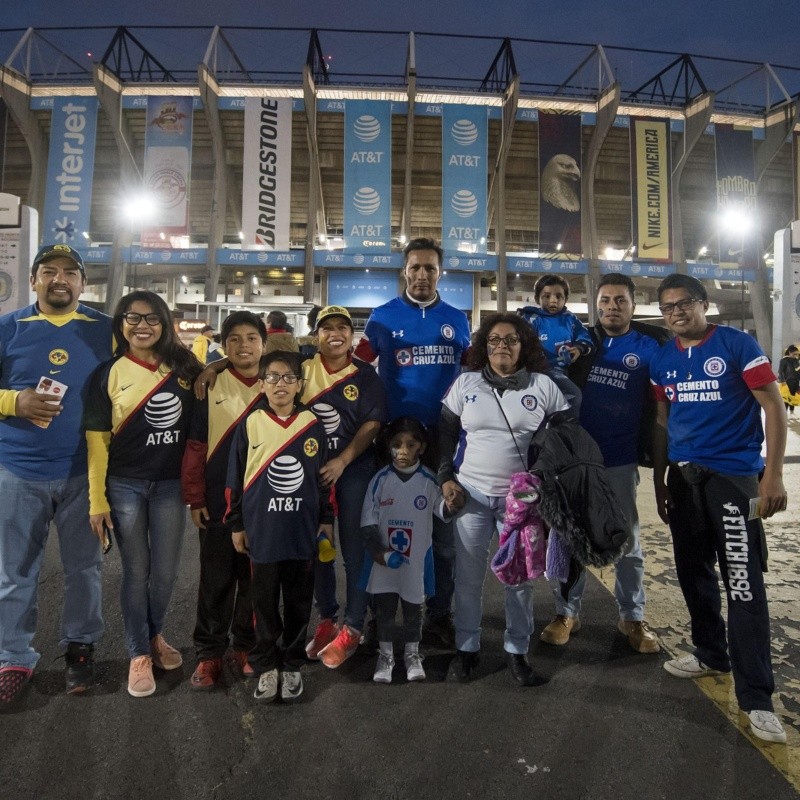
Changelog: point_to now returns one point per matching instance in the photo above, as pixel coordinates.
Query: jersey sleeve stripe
(142, 402)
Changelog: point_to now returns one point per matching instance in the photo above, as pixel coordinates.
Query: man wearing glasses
(711, 384)
(43, 468)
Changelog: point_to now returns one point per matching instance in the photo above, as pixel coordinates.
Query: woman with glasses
(489, 417)
(136, 417)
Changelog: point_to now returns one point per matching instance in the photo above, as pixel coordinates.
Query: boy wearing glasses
(277, 507)
(711, 385)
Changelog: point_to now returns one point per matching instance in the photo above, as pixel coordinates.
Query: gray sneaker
(291, 685)
(383, 669)
(689, 667)
(766, 725)
(414, 669)
(267, 689)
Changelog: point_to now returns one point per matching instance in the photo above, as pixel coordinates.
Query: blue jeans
(350, 491)
(476, 524)
(444, 557)
(629, 583)
(149, 519)
(26, 510)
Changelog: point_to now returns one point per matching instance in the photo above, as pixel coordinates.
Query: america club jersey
(714, 420)
(615, 395)
(211, 429)
(68, 349)
(487, 455)
(403, 512)
(343, 400)
(146, 408)
(419, 354)
(273, 488)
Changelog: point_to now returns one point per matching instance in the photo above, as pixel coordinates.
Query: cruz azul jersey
(146, 408)
(714, 420)
(403, 512)
(487, 455)
(68, 349)
(343, 400)
(211, 429)
(419, 352)
(615, 395)
(273, 488)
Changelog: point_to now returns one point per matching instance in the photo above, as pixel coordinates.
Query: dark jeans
(385, 610)
(223, 597)
(709, 524)
(292, 581)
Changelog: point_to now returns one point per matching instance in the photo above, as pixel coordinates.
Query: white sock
(411, 647)
(386, 649)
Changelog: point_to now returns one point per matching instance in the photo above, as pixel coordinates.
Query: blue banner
(457, 288)
(368, 176)
(70, 168)
(464, 176)
(360, 289)
(326, 258)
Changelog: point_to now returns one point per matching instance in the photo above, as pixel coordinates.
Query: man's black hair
(677, 281)
(243, 318)
(617, 279)
(422, 244)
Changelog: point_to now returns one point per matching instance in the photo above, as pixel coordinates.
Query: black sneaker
(439, 631)
(369, 639)
(463, 666)
(80, 667)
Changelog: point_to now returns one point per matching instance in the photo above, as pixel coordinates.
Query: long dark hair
(168, 348)
(531, 355)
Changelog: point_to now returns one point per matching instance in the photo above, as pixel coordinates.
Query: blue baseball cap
(50, 251)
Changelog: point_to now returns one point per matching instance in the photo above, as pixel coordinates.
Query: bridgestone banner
(650, 189)
(267, 174)
(168, 168)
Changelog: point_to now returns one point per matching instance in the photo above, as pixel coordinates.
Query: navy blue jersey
(557, 330)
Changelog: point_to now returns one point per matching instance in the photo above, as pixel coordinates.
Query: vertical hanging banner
(796, 172)
(167, 168)
(559, 185)
(70, 168)
(736, 192)
(267, 174)
(650, 189)
(367, 176)
(465, 137)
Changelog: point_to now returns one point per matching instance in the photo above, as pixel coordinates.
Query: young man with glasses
(712, 384)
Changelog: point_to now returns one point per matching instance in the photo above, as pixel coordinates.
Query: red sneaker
(325, 633)
(12, 681)
(341, 648)
(239, 658)
(206, 674)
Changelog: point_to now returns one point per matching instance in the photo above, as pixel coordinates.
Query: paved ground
(609, 723)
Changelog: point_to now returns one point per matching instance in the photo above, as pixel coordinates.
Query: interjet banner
(70, 168)
(267, 173)
(650, 189)
(736, 192)
(559, 185)
(464, 177)
(367, 176)
(167, 168)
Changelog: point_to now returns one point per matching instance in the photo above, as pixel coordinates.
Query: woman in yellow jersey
(136, 417)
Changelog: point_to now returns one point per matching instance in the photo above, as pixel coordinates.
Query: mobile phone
(107, 540)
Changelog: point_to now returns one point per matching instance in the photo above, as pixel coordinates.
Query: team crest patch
(403, 357)
(311, 447)
(529, 402)
(631, 360)
(350, 392)
(58, 357)
(714, 367)
(400, 539)
(420, 502)
(670, 393)
(184, 384)
(448, 332)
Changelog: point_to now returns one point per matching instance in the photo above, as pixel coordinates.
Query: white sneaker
(689, 667)
(383, 669)
(291, 685)
(414, 670)
(765, 725)
(267, 689)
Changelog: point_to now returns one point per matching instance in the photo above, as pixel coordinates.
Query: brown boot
(559, 630)
(640, 637)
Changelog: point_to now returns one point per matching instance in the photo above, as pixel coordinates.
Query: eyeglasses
(132, 318)
(276, 377)
(681, 305)
(508, 341)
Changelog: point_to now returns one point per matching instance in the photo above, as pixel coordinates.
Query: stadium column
(411, 91)
(315, 220)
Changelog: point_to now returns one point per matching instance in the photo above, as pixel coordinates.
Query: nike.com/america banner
(464, 177)
(267, 174)
(167, 168)
(70, 168)
(367, 176)
(650, 189)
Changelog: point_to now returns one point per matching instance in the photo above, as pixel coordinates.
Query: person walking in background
(205, 348)
(789, 378)
(280, 335)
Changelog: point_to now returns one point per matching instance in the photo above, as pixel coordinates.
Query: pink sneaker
(165, 656)
(141, 682)
(324, 634)
(341, 648)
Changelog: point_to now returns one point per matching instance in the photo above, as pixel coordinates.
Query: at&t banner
(464, 178)
(367, 176)
(167, 168)
(736, 192)
(650, 189)
(559, 184)
(267, 173)
(70, 167)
